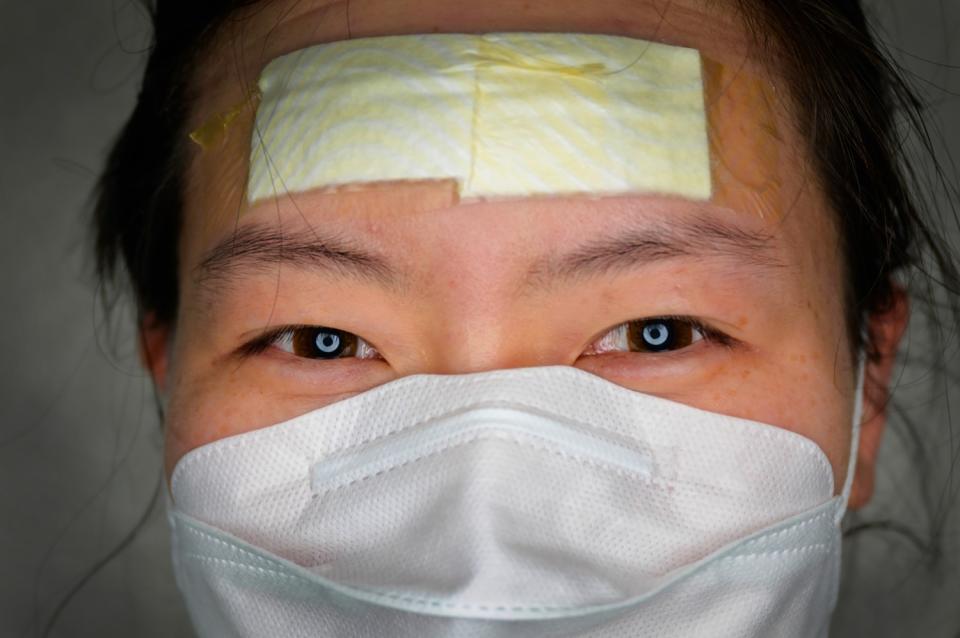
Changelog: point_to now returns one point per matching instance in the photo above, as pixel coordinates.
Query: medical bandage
(503, 114)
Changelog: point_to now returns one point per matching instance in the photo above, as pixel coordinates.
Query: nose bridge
(491, 345)
(477, 321)
(478, 330)
(473, 312)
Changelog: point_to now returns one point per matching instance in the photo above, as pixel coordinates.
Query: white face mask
(527, 502)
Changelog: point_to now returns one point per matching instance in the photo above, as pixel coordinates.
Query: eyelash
(260, 344)
(621, 332)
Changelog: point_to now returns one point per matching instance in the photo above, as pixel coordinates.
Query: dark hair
(851, 101)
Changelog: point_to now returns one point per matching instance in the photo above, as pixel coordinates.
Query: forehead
(270, 29)
(217, 179)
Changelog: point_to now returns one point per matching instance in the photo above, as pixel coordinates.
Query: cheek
(205, 410)
(227, 401)
(796, 392)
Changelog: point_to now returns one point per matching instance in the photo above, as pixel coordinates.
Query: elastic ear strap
(164, 396)
(854, 435)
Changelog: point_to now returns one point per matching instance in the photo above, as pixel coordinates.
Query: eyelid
(268, 339)
(708, 334)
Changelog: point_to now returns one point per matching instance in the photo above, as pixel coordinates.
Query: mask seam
(532, 609)
(200, 558)
(261, 560)
(792, 528)
(186, 525)
(207, 537)
(828, 547)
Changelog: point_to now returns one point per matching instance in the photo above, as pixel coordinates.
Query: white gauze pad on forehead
(504, 114)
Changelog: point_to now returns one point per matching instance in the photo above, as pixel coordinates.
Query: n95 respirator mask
(527, 502)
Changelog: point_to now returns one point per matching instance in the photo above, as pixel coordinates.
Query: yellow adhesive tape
(215, 129)
(503, 114)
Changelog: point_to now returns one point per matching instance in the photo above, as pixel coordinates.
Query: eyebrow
(256, 247)
(700, 235)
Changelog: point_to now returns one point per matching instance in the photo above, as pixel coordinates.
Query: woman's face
(442, 286)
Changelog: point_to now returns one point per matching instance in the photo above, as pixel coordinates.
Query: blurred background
(79, 438)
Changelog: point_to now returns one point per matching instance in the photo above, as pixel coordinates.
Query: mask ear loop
(163, 396)
(854, 436)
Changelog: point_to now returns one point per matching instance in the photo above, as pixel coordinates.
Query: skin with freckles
(471, 286)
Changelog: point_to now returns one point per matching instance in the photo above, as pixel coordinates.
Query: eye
(313, 342)
(658, 334)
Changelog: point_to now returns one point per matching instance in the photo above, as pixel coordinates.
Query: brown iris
(323, 343)
(659, 335)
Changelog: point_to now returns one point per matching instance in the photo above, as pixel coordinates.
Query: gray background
(79, 442)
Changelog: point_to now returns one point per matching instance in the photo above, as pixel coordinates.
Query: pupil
(328, 342)
(656, 334)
